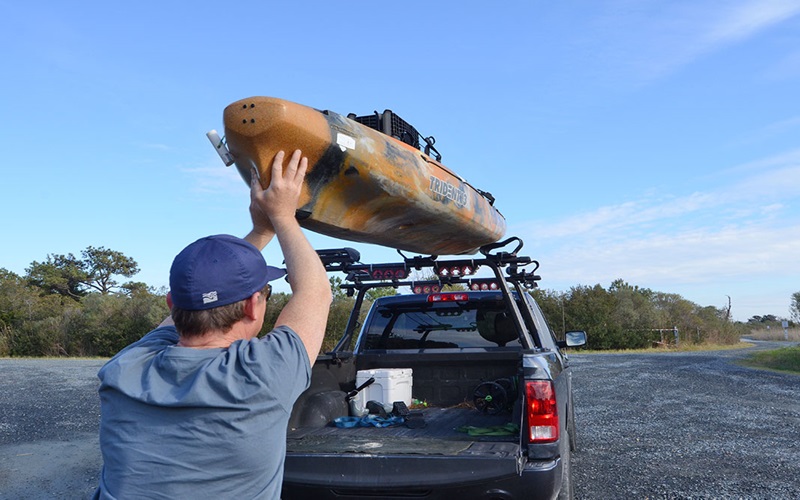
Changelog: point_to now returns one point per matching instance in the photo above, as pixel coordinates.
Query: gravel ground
(685, 426)
(671, 425)
(49, 415)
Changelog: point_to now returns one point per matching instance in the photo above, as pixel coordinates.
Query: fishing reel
(496, 396)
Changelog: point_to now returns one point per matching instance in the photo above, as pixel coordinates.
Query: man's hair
(198, 323)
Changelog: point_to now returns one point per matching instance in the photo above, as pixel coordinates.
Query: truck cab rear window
(444, 325)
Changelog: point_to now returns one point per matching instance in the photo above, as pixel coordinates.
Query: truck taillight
(542, 411)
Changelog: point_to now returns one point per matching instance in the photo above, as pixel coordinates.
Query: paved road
(650, 426)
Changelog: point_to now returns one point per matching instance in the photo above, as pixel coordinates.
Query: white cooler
(391, 384)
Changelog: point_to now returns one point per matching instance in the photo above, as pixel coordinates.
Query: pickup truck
(494, 415)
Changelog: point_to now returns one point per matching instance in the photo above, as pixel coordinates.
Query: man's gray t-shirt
(178, 422)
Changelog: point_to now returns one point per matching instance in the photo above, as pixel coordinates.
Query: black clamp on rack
(502, 257)
(527, 279)
(338, 259)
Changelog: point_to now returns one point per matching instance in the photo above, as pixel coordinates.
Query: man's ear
(169, 300)
(251, 306)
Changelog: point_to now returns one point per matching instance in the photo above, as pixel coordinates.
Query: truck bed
(491, 349)
(438, 437)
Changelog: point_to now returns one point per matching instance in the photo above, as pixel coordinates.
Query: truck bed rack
(362, 277)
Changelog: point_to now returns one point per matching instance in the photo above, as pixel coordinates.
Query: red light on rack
(448, 297)
(457, 271)
(483, 286)
(388, 274)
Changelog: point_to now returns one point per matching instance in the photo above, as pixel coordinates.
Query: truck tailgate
(364, 471)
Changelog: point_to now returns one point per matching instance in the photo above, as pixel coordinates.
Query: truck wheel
(567, 492)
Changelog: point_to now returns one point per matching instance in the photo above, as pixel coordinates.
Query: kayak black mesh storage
(390, 124)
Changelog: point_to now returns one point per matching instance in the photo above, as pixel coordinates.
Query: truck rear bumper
(394, 476)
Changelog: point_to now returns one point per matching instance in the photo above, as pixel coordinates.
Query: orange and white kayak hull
(362, 185)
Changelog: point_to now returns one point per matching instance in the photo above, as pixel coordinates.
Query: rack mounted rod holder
(527, 278)
(220, 147)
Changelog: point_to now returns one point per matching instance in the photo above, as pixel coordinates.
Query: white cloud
(650, 41)
(687, 256)
(745, 19)
(729, 239)
(789, 159)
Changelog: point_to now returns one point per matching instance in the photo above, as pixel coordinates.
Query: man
(198, 408)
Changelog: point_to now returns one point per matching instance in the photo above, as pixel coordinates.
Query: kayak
(363, 184)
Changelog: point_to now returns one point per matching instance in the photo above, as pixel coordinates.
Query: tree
(591, 309)
(102, 264)
(134, 288)
(29, 320)
(336, 287)
(794, 310)
(10, 287)
(634, 312)
(552, 305)
(374, 294)
(60, 274)
(767, 319)
(69, 276)
(109, 322)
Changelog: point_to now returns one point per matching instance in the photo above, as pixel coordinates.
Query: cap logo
(210, 297)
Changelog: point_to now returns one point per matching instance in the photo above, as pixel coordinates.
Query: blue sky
(654, 141)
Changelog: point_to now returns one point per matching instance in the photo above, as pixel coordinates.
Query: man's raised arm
(307, 311)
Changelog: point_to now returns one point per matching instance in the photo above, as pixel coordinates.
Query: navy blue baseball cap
(216, 271)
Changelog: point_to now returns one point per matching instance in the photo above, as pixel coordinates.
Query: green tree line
(625, 316)
(70, 306)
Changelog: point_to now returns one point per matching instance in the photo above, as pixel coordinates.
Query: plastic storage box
(391, 384)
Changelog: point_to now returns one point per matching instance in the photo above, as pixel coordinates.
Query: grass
(775, 334)
(654, 350)
(786, 359)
